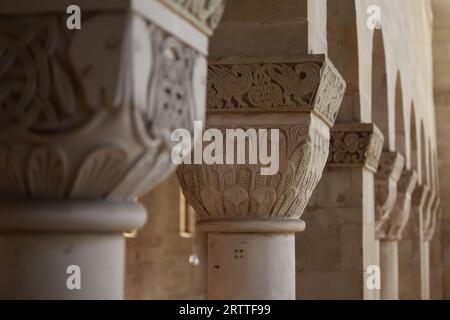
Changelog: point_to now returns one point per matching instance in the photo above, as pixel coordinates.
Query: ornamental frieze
(308, 83)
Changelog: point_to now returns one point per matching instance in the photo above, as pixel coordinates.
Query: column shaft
(389, 269)
(342, 209)
(65, 249)
(425, 269)
(251, 266)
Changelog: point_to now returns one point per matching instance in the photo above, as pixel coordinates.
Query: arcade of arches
(86, 176)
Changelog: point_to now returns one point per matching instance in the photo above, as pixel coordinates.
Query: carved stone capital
(389, 170)
(392, 229)
(88, 113)
(431, 227)
(355, 145)
(265, 94)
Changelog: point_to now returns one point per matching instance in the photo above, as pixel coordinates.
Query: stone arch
(380, 112)
(342, 41)
(400, 138)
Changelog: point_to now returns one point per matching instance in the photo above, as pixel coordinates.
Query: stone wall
(158, 258)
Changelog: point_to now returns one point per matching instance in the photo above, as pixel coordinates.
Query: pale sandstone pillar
(341, 219)
(410, 248)
(389, 269)
(388, 173)
(425, 220)
(85, 123)
(251, 218)
(428, 229)
(436, 255)
(390, 232)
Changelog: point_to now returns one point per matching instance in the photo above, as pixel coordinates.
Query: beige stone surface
(103, 105)
(158, 258)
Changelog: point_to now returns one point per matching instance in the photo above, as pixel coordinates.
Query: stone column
(251, 215)
(390, 233)
(436, 254)
(428, 229)
(425, 219)
(342, 208)
(410, 248)
(386, 178)
(85, 123)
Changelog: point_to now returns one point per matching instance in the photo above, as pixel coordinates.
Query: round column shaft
(251, 266)
(389, 269)
(65, 250)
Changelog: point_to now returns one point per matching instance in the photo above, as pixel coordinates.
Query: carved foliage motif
(205, 14)
(276, 86)
(217, 191)
(355, 146)
(89, 125)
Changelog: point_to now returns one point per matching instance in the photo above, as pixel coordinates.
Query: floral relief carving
(355, 145)
(88, 115)
(276, 86)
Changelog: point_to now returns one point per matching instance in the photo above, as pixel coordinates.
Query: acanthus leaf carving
(11, 181)
(100, 171)
(47, 172)
(219, 191)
